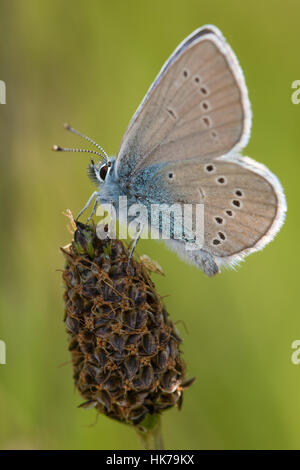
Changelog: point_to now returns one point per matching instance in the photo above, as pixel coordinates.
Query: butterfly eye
(103, 172)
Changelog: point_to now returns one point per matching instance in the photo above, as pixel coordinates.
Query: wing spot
(201, 192)
(209, 168)
(219, 220)
(207, 121)
(229, 212)
(216, 242)
(204, 90)
(222, 235)
(204, 105)
(214, 134)
(197, 79)
(185, 73)
(239, 193)
(222, 180)
(172, 113)
(171, 175)
(236, 203)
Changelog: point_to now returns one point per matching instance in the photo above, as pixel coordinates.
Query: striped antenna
(57, 148)
(74, 131)
(103, 155)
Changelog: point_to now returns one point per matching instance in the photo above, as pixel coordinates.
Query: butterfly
(182, 147)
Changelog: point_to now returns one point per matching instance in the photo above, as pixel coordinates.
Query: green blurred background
(90, 62)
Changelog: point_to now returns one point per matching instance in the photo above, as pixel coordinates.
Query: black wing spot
(209, 168)
(236, 203)
(204, 90)
(207, 121)
(221, 180)
(204, 105)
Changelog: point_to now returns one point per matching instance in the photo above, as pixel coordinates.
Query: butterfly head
(99, 172)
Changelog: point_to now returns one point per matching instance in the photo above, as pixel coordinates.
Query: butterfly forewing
(197, 107)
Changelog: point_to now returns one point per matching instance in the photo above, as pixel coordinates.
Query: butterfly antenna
(57, 148)
(74, 131)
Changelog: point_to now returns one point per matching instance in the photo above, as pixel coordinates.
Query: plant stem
(149, 432)
(157, 437)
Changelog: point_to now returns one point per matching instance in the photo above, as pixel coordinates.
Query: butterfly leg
(93, 210)
(95, 193)
(135, 243)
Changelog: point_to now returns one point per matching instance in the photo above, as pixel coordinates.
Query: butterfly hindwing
(242, 200)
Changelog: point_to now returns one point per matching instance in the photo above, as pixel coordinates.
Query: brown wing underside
(198, 110)
(240, 205)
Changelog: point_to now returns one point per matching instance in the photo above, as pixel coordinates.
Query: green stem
(149, 432)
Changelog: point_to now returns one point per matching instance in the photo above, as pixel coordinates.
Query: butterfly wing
(181, 147)
(244, 205)
(197, 106)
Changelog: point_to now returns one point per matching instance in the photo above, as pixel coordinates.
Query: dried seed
(131, 365)
(149, 344)
(72, 325)
(147, 376)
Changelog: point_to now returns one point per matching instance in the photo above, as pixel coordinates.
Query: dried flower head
(125, 349)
